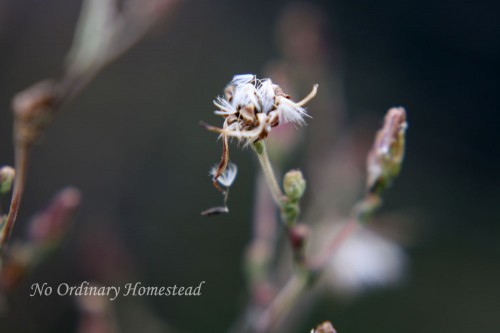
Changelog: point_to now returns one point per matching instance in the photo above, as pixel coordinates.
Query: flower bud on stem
(387, 154)
(384, 164)
(288, 203)
(7, 175)
(45, 233)
(294, 185)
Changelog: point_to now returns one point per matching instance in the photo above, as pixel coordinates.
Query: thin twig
(347, 230)
(283, 302)
(362, 212)
(303, 279)
(41, 103)
(261, 250)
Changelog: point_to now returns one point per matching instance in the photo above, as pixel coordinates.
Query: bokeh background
(132, 144)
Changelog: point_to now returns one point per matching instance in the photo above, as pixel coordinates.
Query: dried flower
(386, 156)
(250, 108)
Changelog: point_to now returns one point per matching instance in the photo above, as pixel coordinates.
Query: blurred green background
(132, 144)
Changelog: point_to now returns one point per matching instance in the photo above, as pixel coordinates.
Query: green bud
(7, 175)
(294, 185)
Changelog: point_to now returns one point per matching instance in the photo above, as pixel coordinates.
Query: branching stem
(282, 303)
(304, 278)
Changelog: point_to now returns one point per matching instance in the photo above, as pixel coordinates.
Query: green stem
(283, 302)
(289, 209)
(22, 155)
(260, 149)
(300, 282)
(362, 213)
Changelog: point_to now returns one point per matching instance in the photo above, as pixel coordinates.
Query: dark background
(131, 143)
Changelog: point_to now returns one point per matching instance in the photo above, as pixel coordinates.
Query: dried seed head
(245, 97)
(251, 108)
(386, 156)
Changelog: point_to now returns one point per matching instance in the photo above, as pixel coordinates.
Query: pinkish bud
(386, 156)
(51, 224)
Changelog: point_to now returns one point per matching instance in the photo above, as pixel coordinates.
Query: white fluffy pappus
(227, 177)
(251, 107)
